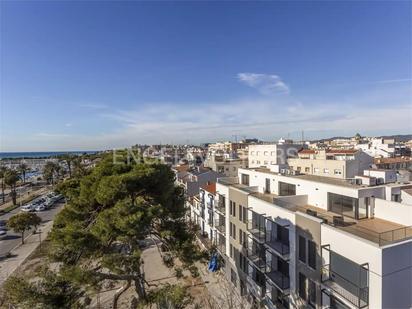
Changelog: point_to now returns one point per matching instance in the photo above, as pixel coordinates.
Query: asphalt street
(12, 239)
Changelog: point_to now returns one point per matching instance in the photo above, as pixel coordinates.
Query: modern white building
(379, 147)
(300, 241)
(267, 155)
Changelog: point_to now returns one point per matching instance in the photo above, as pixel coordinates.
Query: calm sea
(19, 155)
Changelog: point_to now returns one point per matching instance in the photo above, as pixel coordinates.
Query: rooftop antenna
(303, 138)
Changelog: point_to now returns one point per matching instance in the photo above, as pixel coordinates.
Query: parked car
(3, 233)
(28, 208)
(3, 225)
(40, 207)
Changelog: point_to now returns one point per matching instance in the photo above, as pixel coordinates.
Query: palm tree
(3, 170)
(11, 178)
(69, 159)
(49, 171)
(23, 168)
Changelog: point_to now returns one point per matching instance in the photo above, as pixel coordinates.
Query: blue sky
(78, 75)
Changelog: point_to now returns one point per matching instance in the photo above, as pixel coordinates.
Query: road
(12, 239)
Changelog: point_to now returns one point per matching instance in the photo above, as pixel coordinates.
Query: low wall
(393, 211)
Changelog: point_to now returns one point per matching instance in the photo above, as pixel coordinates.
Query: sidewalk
(20, 253)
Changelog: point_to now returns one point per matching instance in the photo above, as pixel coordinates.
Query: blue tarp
(213, 263)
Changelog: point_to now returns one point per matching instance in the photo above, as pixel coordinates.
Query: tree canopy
(23, 222)
(99, 234)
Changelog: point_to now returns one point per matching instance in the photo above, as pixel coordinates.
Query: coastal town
(206, 154)
(272, 221)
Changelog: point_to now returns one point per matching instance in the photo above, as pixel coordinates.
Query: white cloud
(68, 124)
(264, 83)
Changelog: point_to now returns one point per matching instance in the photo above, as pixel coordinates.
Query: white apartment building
(225, 165)
(336, 163)
(268, 155)
(379, 147)
(304, 241)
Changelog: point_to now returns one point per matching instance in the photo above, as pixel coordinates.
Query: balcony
(350, 291)
(280, 280)
(346, 279)
(221, 245)
(277, 239)
(256, 226)
(220, 207)
(255, 282)
(220, 224)
(274, 298)
(277, 272)
(255, 252)
(209, 205)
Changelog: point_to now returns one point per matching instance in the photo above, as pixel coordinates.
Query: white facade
(271, 154)
(379, 148)
(374, 240)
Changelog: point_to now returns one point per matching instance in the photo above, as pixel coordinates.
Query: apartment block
(335, 163)
(267, 155)
(225, 164)
(297, 241)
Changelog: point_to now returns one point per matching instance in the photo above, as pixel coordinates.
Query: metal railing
(221, 227)
(255, 252)
(256, 230)
(352, 292)
(278, 246)
(281, 281)
(220, 207)
(396, 235)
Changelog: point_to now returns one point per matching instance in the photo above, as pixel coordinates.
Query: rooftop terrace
(376, 230)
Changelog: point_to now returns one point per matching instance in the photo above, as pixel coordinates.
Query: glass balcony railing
(352, 292)
(274, 298)
(277, 246)
(255, 252)
(280, 280)
(255, 282)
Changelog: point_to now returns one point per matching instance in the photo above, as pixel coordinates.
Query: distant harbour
(32, 155)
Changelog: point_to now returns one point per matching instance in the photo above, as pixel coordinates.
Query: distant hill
(398, 138)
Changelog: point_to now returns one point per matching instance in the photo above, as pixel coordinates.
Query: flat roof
(376, 230)
(315, 178)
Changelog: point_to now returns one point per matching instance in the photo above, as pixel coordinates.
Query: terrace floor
(373, 229)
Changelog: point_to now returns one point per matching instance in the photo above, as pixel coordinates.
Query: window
(273, 162)
(234, 168)
(230, 229)
(244, 179)
(240, 212)
(316, 170)
(307, 169)
(344, 205)
(302, 286)
(326, 171)
(253, 161)
(286, 188)
(302, 249)
(234, 209)
(234, 231)
(244, 214)
(312, 254)
(231, 251)
(337, 172)
(252, 153)
(266, 153)
(240, 237)
(265, 162)
(257, 153)
(257, 162)
(312, 293)
(231, 203)
(273, 153)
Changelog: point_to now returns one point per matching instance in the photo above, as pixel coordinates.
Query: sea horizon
(41, 154)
